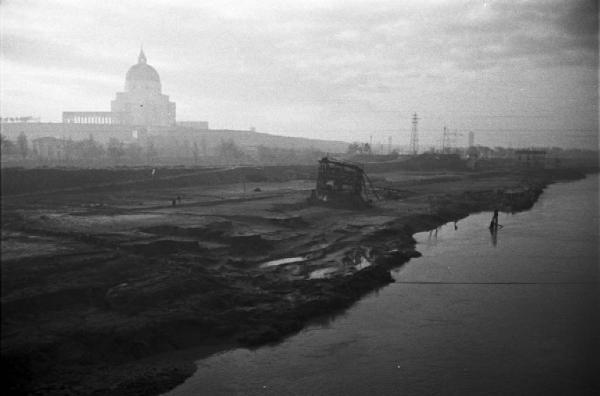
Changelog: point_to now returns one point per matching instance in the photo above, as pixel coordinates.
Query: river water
(476, 314)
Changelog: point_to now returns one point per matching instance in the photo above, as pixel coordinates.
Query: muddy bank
(113, 314)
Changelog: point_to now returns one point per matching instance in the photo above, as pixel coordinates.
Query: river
(476, 314)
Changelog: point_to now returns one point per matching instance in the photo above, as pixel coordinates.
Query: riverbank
(477, 313)
(108, 292)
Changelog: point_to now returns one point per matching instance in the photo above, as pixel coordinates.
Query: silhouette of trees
(204, 147)
(359, 148)
(134, 152)
(69, 149)
(278, 156)
(275, 155)
(23, 145)
(114, 149)
(89, 149)
(228, 151)
(151, 153)
(195, 153)
(7, 146)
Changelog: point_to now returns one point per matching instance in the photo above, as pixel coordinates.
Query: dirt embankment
(17, 181)
(106, 310)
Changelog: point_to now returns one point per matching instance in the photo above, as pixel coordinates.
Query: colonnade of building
(90, 118)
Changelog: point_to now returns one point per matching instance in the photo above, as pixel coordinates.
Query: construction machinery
(342, 183)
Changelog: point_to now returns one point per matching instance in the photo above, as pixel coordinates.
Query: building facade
(531, 158)
(49, 148)
(142, 102)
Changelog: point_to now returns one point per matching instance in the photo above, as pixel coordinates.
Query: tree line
(150, 150)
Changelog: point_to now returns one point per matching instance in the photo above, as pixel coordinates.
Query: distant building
(472, 152)
(482, 152)
(49, 148)
(142, 102)
(531, 158)
(19, 119)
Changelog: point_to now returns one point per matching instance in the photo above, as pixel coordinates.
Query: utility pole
(446, 140)
(414, 135)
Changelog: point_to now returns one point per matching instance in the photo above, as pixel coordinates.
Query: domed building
(142, 102)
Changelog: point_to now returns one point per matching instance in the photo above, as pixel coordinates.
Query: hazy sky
(515, 73)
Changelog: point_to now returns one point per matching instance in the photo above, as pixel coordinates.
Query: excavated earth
(115, 290)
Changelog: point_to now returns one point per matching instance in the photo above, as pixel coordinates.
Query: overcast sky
(516, 73)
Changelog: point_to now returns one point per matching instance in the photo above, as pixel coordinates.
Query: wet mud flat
(118, 290)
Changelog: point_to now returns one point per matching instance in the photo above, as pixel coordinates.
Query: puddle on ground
(287, 260)
(322, 273)
(358, 259)
(362, 263)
